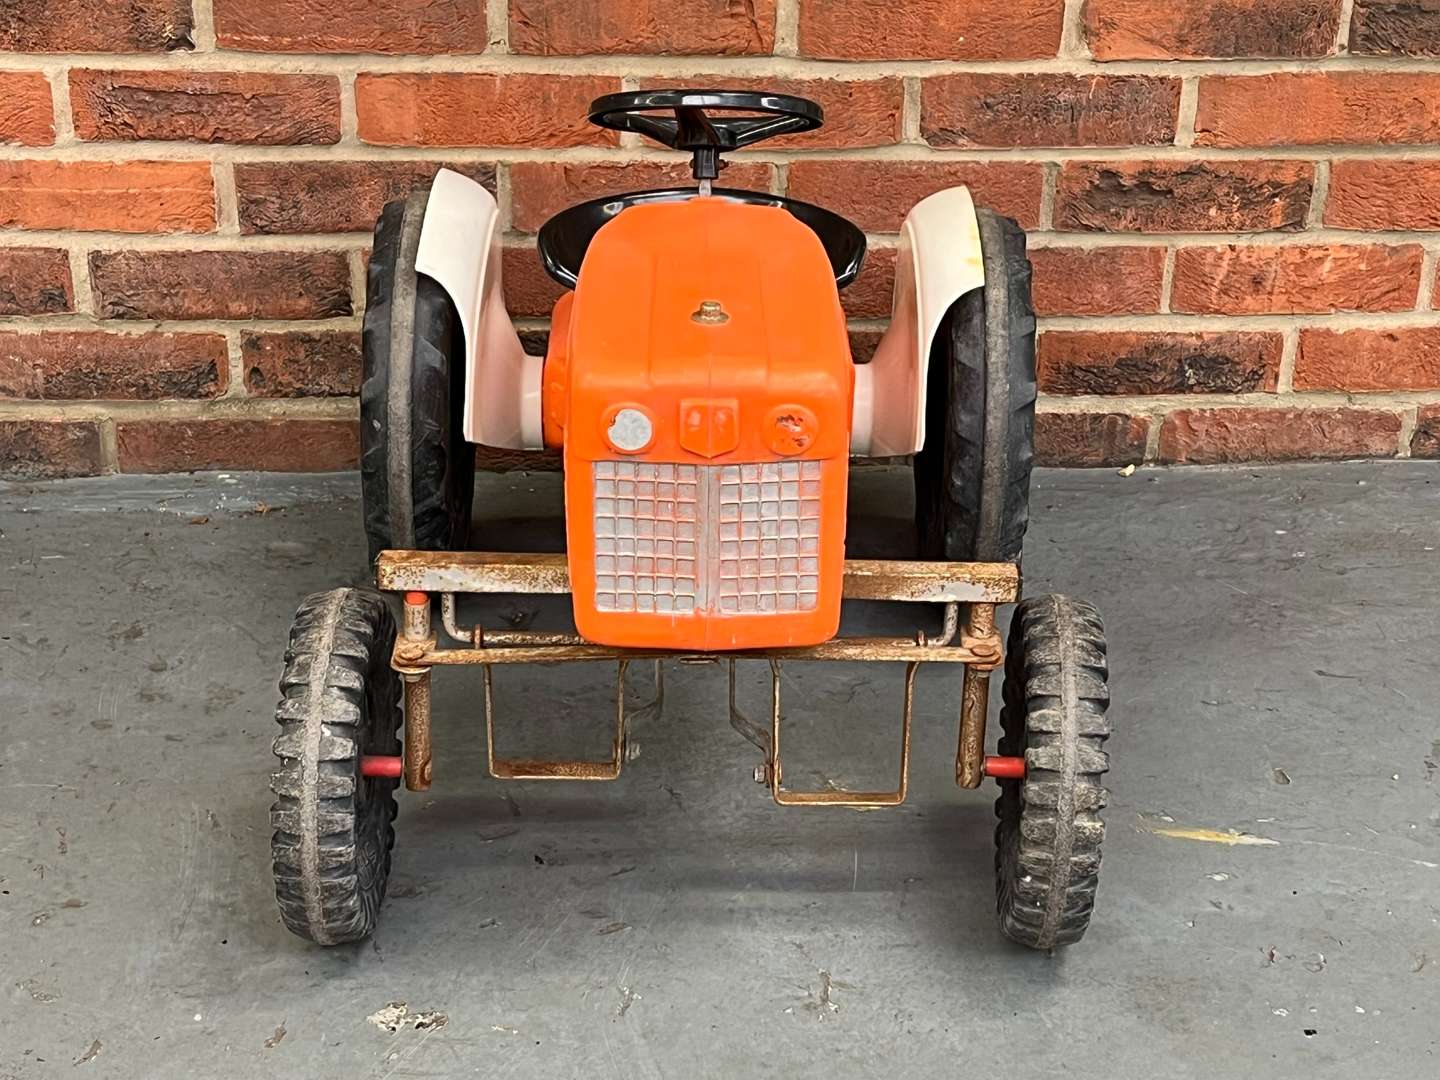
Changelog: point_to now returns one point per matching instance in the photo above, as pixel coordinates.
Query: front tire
(1047, 860)
(333, 827)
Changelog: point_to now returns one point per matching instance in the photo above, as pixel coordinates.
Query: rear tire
(1047, 859)
(417, 472)
(972, 476)
(333, 827)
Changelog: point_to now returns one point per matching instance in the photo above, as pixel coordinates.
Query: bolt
(760, 776)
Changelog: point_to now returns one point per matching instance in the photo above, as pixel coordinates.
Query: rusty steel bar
(888, 649)
(865, 579)
(417, 731)
(975, 701)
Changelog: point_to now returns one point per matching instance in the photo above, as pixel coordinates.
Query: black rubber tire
(340, 699)
(1047, 858)
(417, 472)
(972, 476)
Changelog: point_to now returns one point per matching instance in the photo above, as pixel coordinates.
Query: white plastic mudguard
(938, 262)
(460, 251)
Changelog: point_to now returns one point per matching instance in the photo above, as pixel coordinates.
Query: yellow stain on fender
(1229, 837)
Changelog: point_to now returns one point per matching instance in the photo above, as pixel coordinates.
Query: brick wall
(1234, 204)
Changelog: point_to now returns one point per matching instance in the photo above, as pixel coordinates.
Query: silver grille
(735, 539)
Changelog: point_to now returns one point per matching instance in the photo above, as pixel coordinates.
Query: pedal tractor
(700, 386)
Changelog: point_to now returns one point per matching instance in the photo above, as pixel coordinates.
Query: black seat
(566, 237)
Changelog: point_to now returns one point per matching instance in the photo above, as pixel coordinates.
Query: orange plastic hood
(720, 324)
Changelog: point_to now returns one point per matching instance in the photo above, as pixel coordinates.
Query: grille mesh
(734, 539)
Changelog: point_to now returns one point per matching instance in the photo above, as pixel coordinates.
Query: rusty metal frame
(980, 586)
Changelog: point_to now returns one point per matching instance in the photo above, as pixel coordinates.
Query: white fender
(938, 262)
(460, 251)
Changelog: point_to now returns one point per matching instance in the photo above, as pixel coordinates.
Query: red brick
(1090, 440)
(1384, 194)
(352, 26)
(128, 196)
(212, 107)
(539, 189)
(415, 109)
(529, 290)
(35, 281)
(299, 363)
(858, 112)
(1314, 279)
(1048, 110)
(48, 450)
(1395, 28)
(115, 26)
(1098, 281)
(332, 196)
(27, 115)
(1360, 360)
(870, 295)
(876, 195)
(1183, 196)
(1319, 109)
(1224, 436)
(863, 344)
(276, 445)
(642, 27)
(1148, 362)
(221, 284)
(81, 364)
(1425, 442)
(931, 29)
(1146, 30)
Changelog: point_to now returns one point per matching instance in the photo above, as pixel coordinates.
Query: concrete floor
(1273, 638)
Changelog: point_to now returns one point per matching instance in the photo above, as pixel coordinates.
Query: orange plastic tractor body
(699, 380)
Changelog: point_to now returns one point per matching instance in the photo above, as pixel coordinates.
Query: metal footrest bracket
(535, 769)
(772, 772)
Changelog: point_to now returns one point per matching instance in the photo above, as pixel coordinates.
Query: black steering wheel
(692, 128)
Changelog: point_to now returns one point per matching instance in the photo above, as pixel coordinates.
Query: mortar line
(80, 322)
(349, 111)
(235, 374)
(1342, 29)
(910, 109)
(1319, 196)
(1289, 353)
(499, 61)
(358, 284)
(497, 27)
(227, 200)
(1429, 271)
(84, 292)
(1049, 193)
(505, 196)
(1073, 43)
(1189, 108)
(1167, 280)
(780, 180)
(64, 118)
(787, 28)
(109, 444)
(1151, 453)
(203, 24)
(910, 152)
(1409, 421)
(216, 408)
